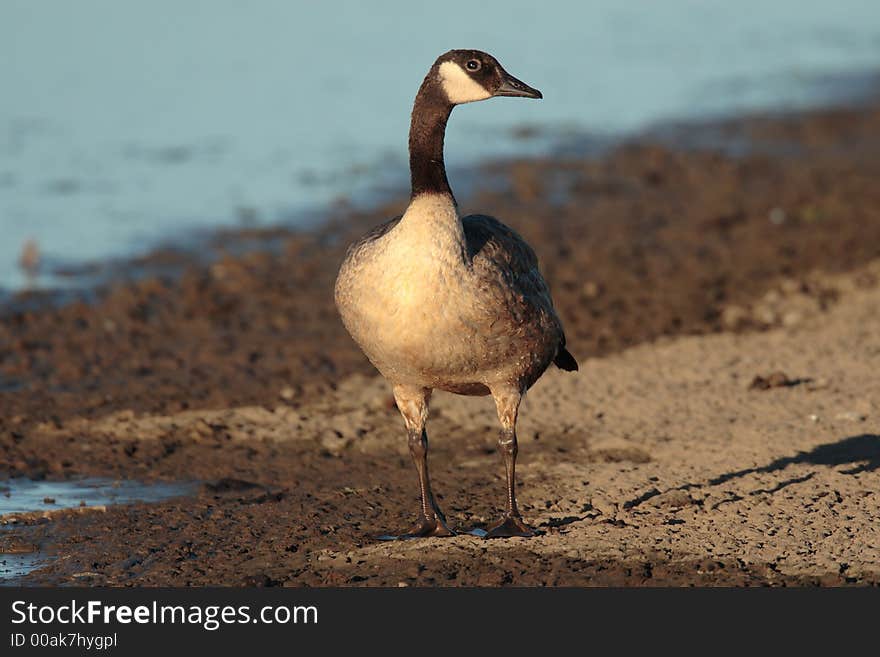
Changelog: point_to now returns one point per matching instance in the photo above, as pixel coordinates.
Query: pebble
(774, 380)
(777, 216)
(672, 498)
(850, 416)
(86, 573)
(591, 289)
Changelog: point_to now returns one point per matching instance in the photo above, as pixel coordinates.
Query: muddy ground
(681, 275)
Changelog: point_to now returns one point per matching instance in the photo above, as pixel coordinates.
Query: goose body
(452, 303)
(440, 301)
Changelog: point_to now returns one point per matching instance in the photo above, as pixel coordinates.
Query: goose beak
(510, 86)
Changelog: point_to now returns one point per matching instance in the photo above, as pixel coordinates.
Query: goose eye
(473, 65)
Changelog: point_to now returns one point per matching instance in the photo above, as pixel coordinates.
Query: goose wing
(512, 285)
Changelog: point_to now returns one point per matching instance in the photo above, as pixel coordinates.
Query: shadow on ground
(863, 450)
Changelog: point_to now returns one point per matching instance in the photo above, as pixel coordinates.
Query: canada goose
(436, 300)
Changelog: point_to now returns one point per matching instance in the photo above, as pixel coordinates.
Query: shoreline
(733, 134)
(644, 227)
(679, 274)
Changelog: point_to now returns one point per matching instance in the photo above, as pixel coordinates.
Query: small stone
(591, 289)
(778, 379)
(813, 417)
(402, 585)
(672, 499)
(777, 216)
(774, 380)
(48, 500)
(86, 574)
(287, 393)
(850, 416)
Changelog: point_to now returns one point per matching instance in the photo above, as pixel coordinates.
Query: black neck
(430, 114)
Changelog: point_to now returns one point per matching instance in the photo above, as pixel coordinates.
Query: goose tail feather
(565, 361)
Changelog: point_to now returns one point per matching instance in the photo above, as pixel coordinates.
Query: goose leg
(413, 404)
(507, 403)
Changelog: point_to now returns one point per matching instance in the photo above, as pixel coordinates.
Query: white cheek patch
(459, 86)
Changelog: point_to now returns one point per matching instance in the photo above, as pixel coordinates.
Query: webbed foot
(510, 526)
(424, 528)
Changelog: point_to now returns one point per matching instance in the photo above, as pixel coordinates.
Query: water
(14, 566)
(24, 495)
(125, 123)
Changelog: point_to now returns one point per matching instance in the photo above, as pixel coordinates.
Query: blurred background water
(124, 123)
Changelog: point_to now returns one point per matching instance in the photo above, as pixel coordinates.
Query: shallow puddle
(14, 566)
(20, 496)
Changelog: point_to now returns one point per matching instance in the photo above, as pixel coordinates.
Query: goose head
(466, 76)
